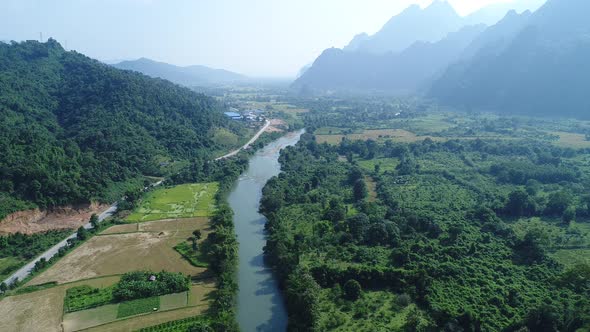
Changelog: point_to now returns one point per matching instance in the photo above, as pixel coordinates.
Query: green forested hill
(72, 128)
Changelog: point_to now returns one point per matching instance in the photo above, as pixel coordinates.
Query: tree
(336, 210)
(352, 290)
(358, 225)
(568, 215)
(3, 287)
(94, 221)
(197, 234)
(543, 319)
(359, 190)
(520, 204)
(377, 234)
(377, 168)
(302, 297)
(82, 233)
(407, 165)
(558, 202)
(40, 264)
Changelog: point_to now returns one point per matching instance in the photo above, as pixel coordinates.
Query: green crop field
(139, 306)
(173, 301)
(183, 201)
(86, 297)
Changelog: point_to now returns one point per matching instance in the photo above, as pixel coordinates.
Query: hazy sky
(253, 37)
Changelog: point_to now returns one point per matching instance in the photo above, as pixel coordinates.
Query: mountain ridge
(194, 75)
(523, 76)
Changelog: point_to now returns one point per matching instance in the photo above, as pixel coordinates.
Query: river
(260, 303)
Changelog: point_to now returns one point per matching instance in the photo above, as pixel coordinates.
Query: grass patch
(34, 288)
(86, 297)
(8, 265)
(173, 301)
(385, 164)
(196, 258)
(139, 306)
(183, 201)
(572, 257)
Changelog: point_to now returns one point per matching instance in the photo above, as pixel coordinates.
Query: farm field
(398, 135)
(41, 310)
(138, 322)
(151, 247)
(183, 201)
(118, 314)
(571, 140)
(99, 262)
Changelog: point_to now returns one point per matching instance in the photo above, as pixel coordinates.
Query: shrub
(135, 285)
(352, 290)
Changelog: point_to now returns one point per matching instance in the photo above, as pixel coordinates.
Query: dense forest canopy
(71, 128)
(452, 239)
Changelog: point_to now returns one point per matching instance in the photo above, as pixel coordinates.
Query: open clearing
(151, 248)
(398, 135)
(572, 257)
(571, 140)
(37, 221)
(183, 201)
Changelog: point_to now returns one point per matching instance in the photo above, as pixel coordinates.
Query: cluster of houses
(253, 115)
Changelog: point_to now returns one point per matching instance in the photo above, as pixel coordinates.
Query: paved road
(24, 271)
(247, 145)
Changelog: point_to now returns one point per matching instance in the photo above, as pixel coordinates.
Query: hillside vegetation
(74, 130)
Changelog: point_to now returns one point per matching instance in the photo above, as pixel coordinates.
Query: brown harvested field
(398, 135)
(571, 140)
(37, 221)
(38, 311)
(151, 248)
(118, 229)
(41, 310)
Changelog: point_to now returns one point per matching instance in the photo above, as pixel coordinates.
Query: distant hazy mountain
(187, 76)
(414, 24)
(410, 46)
(491, 14)
(497, 37)
(356, 42)
(543, 68)
(394, 73)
